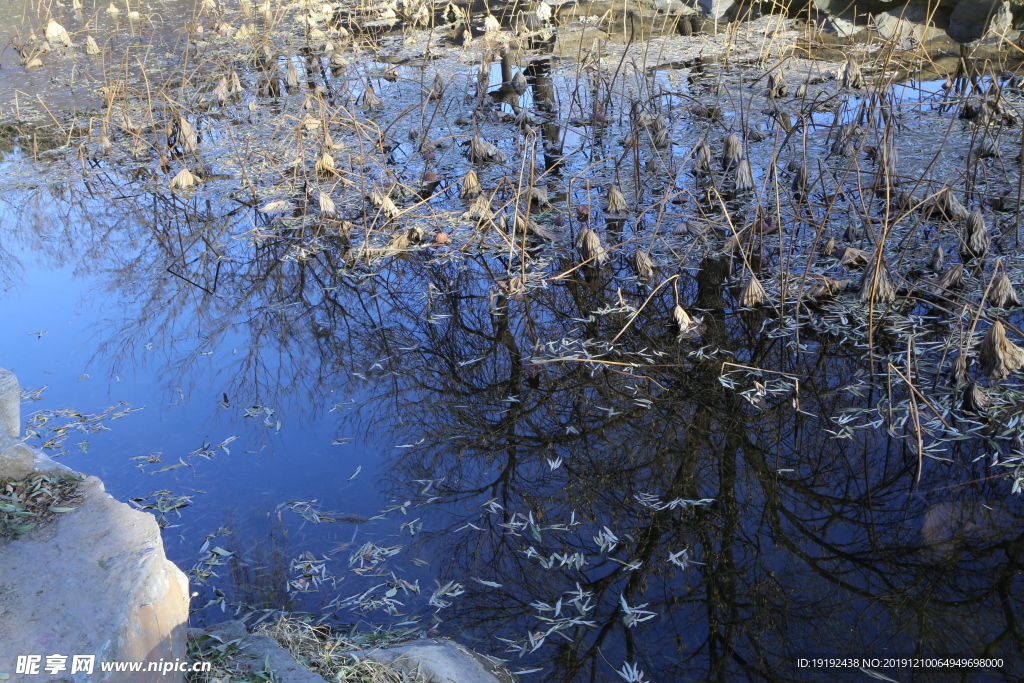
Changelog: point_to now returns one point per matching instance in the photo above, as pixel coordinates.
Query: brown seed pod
(752, 294)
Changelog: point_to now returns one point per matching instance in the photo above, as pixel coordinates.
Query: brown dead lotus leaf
(187, 137)
(876, 286)
(370, 100)
(479, 210)
(91, 48)
(106, 146)
(278, 206)
(946, 203)
(616, 200)
(382, 200)
(644, 265)
(952, 279)
(825, 287)
(735, 242)
(1003, 294)
(222, 91)
(753, 293)
(974, 399)
(325, 164)
(852, 77)
(732, 151)
(470, 185)
(976, 238)
(958, 372)
(997, 355)
(744, 177)
(55, 33)
(938, 260)
(291, 75)
(521, 224)
(851, 256)
(776, 85)
(686, 326)
(326, 204)
(539, 196)
(481, 150)
(34, 63)
(829, 247)
(183, 180)
(399, 243)
(590, 249)
(702, 158)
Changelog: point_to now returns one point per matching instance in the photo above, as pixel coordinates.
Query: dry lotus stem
(752, 294)
(997, 355)
(590, 249)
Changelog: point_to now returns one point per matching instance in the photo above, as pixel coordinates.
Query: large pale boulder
(16, 459)
(93, 582)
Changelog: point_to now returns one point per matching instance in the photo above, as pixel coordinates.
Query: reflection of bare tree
(812, 544)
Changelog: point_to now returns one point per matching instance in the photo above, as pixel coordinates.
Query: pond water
(336, 412)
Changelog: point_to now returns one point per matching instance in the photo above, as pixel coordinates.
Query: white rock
(10, 403)
(93, 582)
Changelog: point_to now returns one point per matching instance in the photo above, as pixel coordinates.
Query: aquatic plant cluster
(669, 355)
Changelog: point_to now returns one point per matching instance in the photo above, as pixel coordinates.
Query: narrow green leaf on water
(57, 509)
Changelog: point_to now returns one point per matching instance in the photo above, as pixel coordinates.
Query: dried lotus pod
(952, 279)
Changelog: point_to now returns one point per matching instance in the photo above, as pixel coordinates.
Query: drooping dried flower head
(616, 200)
(1003, 294)
(744, 177)
(470, 185)
(753, 293)
(876, 285)
(997, 355)
(590, 249)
